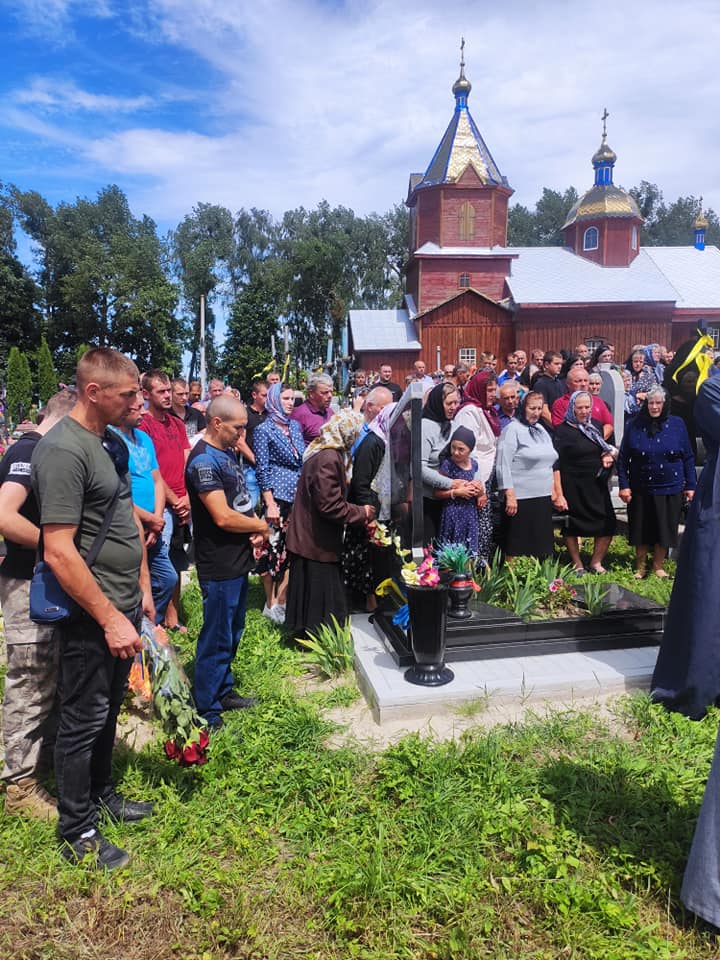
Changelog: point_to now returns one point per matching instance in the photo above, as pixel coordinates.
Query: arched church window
(633, 239)
(464, 281)
(466, 221)
(590, 239)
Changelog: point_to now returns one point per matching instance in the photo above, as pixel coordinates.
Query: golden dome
(604, 154)
(606, 200)
(701, 222)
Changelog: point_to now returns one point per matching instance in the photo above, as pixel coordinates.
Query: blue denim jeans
(92, 687)
(163, 577)
(224, 604)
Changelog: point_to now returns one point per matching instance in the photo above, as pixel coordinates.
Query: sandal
(579, 571)
(639, 574)
(598, 570)
(660, 574)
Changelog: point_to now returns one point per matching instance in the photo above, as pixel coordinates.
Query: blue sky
(276, 105)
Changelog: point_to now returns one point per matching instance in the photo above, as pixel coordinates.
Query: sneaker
(233, 701)
(29, 798)
(277, 614)
(118, 808)
(267, 612)
(94, 844)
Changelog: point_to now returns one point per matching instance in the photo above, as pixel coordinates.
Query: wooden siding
(439, 278)
(466, 321)
(614, 237)
(401, 362)
(561, 328)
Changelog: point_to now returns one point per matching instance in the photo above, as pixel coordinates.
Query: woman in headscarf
(527, 473)
(652, 362)
(359, 566)
(585, 460)
(478, 414)
(278, 446)
(440, 406)
(315, 533)
(643, 378)
(656, 472)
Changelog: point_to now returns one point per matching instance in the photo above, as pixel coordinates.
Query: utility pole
(203, 371)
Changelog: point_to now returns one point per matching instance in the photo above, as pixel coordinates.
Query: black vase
(460, 591)
(428, 619)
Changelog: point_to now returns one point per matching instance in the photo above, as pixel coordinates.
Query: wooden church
(467, 291)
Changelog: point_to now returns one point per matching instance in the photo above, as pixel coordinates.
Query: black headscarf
(434, 408)
(597, 353)
(653, 425)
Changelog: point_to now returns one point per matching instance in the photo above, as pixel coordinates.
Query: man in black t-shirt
(29, 715)
(194, 420)
(224, 527)
(385, 380)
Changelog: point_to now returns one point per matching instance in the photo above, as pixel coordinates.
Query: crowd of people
(288, 487)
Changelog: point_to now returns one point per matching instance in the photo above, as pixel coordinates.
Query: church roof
(462, 146)
(383, 330)
(680, 275)
(604, 200)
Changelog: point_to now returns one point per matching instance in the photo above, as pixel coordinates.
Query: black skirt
(653, 519)
(530, 532)
(315, 593)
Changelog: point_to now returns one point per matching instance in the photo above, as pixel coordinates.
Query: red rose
(190, 753)
(203, 739)
(172, 751)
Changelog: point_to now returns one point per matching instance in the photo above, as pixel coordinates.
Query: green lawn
(563, 837)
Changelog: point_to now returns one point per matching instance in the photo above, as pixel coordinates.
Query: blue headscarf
(273, 406)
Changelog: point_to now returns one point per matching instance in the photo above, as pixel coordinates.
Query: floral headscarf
(273, 406)
(476, 396)
(589, 428)
(338, 433)
(381, 424)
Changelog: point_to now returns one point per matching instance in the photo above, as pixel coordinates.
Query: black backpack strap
(99, 540)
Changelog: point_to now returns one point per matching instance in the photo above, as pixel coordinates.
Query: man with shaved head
(225, 530)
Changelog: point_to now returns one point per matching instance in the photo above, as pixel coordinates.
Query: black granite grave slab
(492, 632)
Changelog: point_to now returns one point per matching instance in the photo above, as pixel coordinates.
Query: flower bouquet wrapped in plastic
(172, 699)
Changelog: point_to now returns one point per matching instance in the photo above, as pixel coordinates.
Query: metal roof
(557, 275)
(694, 274)
(383, 330)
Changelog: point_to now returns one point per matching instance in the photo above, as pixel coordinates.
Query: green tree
(104, 279)
(543, 226)
(46, 376)
(202, 251)
(18, 384)
(250, 325)
(19, 316)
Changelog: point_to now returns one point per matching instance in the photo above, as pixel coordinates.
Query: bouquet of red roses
(188, 736)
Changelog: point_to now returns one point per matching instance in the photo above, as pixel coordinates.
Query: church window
(466, 221)
(714, 332)
(467, 355)
(633, 239)
(464, 281)
(590, 239)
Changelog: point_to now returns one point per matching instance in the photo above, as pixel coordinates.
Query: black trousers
(92, 687)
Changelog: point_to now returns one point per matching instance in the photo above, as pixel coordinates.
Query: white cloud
(57, 95)
(344, 101)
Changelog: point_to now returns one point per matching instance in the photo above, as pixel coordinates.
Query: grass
(562, 837)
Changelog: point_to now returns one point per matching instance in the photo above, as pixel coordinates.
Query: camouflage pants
(29, 713)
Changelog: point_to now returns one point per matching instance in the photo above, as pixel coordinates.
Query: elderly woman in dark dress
(656, 471)
(317, 521)
(360, 562)
(585, 460)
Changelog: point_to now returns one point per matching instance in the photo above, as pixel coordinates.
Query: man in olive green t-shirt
(77, 468)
